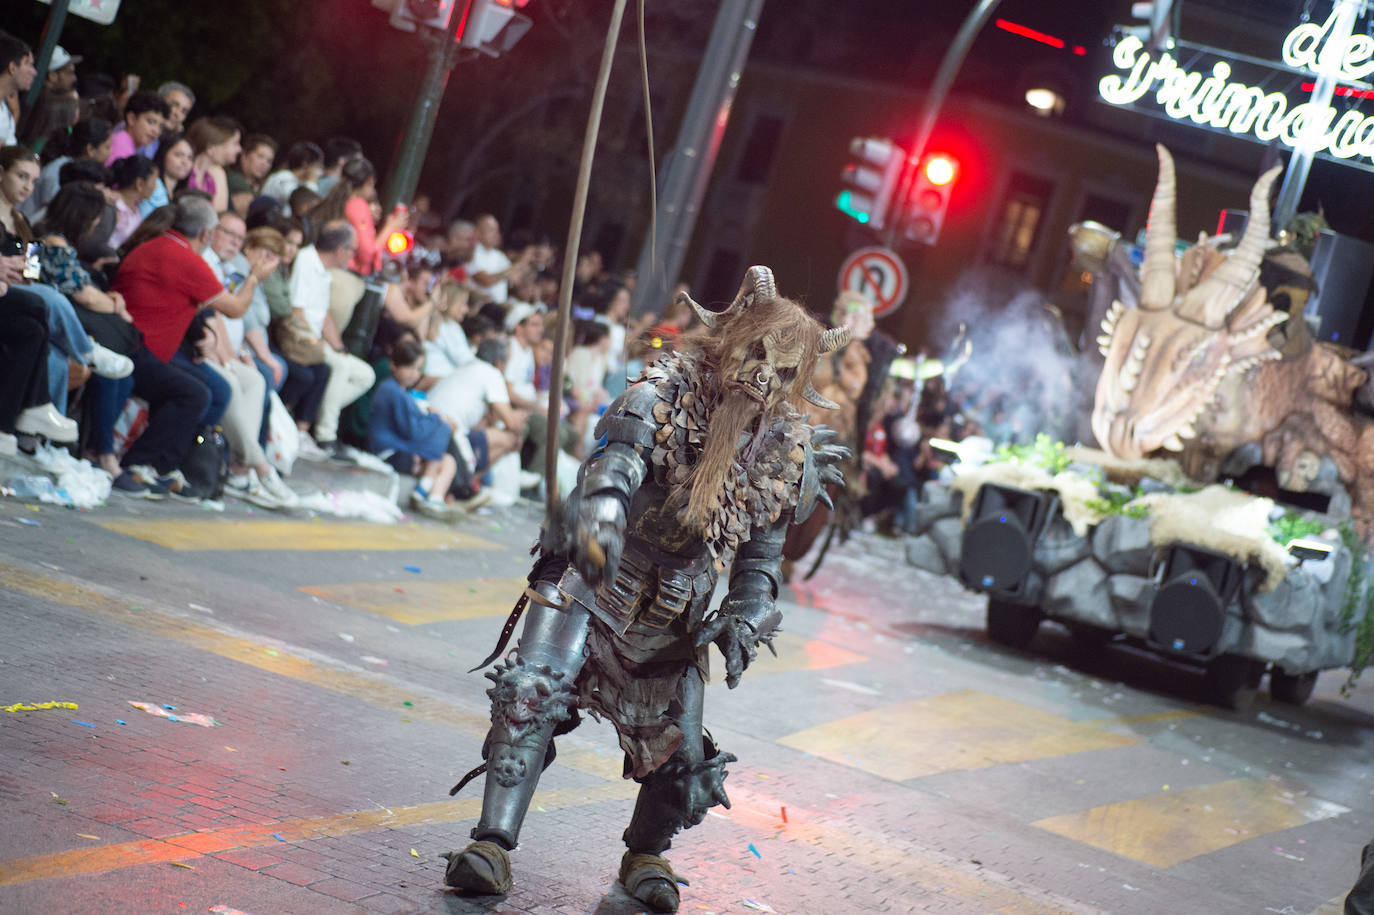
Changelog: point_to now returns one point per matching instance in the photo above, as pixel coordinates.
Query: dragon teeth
(1172, 443)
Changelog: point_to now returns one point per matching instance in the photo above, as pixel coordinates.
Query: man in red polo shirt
(164, 282)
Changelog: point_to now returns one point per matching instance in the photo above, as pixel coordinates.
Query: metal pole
(934, 101)
(410, 157)
(52, 31)
(687, 169)
(1329, 66)
(579, 208)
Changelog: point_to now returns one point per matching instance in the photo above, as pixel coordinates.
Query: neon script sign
(1213, 99)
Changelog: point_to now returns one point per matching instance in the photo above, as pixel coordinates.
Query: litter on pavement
(204, 721)
(39, 706)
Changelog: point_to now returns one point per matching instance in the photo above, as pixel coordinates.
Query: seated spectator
(61, 75)
(352, 199)
(52, 115)
(301, 351)
(337, 152)
(303, 166)
(68, 340)
(89, 139)
(24, 404)
(227, 351)
(215, 142)
(413, 440)
(446, 345)
(180, 100)
(586, 375)
(246, 181)
(174, 161)
(414, 305)
(350, 377)
(16, 75)
(134, 178)
(474, 395)
(166, 282)
(143, 116)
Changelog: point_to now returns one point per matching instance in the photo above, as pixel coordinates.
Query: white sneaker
(529, 479)
(241, 482)
(108, 364)
(277, 488)
(48, 421)
(260, 495)
(309, 450)
(481, 499)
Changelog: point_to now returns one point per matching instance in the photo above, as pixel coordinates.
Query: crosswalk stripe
(226, 534)
(1172, 826)
(966, 729)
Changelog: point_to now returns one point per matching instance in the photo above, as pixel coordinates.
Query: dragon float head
(1201, 317)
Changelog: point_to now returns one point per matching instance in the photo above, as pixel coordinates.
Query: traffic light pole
(687, 169)
(934, 101)
(443, 52)
(52, 32)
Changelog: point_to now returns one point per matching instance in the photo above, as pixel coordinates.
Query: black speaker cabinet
(1342, 267)
(999, 538)
(1189, 609)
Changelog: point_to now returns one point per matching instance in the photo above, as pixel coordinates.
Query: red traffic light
(398, 243)
(940, 169)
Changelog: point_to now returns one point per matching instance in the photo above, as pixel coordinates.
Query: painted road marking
(93, 860)
(1164, 829)
(967, 729)
(415, 603)
(225, 534)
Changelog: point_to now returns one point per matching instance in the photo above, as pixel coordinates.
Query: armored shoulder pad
(629, 418)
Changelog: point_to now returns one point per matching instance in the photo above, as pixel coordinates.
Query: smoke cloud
(1020, 378)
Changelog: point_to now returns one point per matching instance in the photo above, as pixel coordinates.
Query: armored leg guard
(532, 694)
(673, 797)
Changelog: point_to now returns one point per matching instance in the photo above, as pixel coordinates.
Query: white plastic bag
(283, 438)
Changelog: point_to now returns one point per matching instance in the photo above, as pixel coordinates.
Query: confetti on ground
(61, 800)
(346, 637)
(86, 835)
(201, 608)
(30, 522)
(271, 651)
(196, 718)
(408, 704)
(852, 687)
(120, 721)
(758, 906)
(369, 659)
(179, 864)
(277, 836)
(414, 853)
(784, 814)
(415, 569)
(224, 909)
(170, 708)
(230, 749)
(84, 724)
(39, 706)
(754, 851)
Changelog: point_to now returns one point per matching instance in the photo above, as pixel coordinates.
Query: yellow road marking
(1164, 829)
(225, 534)
(961, 730)
(359, 686)
(1149, 717)
(415, 603)
(92, 860)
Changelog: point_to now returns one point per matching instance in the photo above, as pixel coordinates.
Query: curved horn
(834, 338)
(1157, 273)
(707, 317)
(1219, 292)
(814, 398)
(758, 284)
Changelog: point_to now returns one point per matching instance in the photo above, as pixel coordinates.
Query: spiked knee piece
(527, 703)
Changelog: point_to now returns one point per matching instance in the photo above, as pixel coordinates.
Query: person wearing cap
(61, 75)
(525, 325)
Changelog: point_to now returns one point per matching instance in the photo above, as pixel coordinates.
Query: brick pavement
(268, 817)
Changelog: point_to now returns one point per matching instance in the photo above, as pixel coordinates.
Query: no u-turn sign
(879, 274)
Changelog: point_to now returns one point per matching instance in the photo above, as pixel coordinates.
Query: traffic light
(924, 214)
(399, 244)
(869, 180)
(494, 26)
(1157, 34)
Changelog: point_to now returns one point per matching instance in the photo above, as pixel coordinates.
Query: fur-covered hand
(598, 537)
(738, 627)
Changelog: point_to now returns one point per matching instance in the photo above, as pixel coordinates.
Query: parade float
(1227, 518)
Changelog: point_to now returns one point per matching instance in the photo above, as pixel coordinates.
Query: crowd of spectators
(170, 281)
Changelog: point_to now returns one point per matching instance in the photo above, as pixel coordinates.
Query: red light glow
(1027, 32)
(1344, 91)
(398, 243)
(940, 170)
